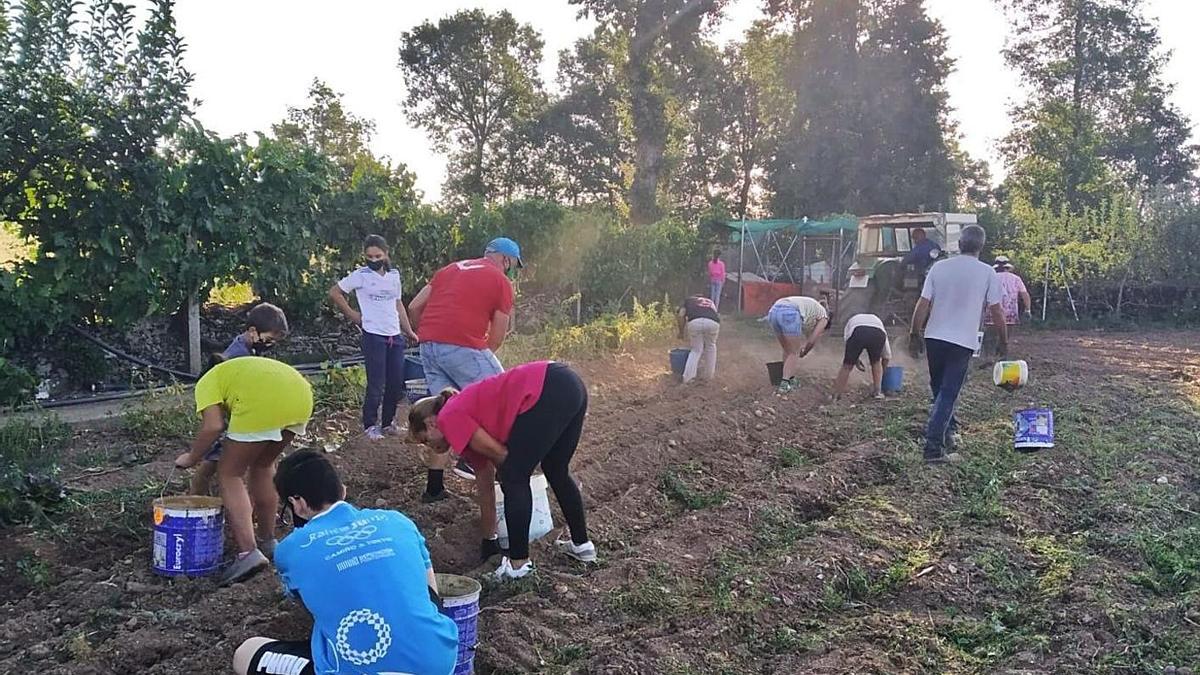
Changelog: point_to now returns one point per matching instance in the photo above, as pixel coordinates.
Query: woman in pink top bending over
(508, 424)
(716, 278)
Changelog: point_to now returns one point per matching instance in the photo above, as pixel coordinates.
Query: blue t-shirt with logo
(362, 573)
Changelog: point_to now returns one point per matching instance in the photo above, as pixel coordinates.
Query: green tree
(1098, 109)
(908, 140)
(88, 104)
(470, 78)
(326, 126)
(816, 169)
(762, 105)
(663, 36)
(585, 132)
(871, 130)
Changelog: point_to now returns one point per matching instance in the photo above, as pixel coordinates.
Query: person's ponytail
(428, 407)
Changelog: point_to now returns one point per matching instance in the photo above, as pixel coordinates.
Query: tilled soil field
(739, 532)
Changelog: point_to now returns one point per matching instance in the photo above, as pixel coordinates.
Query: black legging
(547, 433)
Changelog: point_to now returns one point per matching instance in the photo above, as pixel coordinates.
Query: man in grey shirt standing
(957, 291)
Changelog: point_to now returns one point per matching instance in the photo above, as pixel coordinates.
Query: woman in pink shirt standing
(510, 423)
(716, 278)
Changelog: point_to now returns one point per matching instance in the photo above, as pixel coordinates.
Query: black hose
(131, 358)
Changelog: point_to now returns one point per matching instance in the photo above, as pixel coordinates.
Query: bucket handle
(170, 475)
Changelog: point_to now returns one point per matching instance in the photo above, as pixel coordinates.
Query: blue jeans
(948, 365)
(714, 292)
(384, 359)
(455, 366)
(786, 320)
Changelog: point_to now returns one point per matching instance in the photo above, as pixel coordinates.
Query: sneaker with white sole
(506, 572)
(464, 470)
(244, 567)
(395, 430)
(585, 552)
(374, 433)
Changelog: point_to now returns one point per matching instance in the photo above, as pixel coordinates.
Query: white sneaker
(505, 571)
(395, 430)
(374, 433)
(585, 552)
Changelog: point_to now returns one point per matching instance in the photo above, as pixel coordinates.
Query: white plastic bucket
(1010, 374)
(540, 524)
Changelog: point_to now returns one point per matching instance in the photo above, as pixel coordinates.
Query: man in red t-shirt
(462, 318)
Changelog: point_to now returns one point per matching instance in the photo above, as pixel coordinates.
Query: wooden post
(1046, 289)
(194, 360)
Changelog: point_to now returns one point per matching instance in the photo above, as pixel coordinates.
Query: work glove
(916, 345)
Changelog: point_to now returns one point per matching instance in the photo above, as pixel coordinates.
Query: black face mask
(377, 265)
(297, 521)
(260, 348)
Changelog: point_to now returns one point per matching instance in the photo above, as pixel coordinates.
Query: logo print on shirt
(383, 637)
(351, 536)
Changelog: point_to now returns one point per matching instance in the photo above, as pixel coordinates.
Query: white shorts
(270, 435)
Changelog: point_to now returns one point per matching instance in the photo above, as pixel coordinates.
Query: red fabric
(757, 297)
(465, 295)
(492, 404)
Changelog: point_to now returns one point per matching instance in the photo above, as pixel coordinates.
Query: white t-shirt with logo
(960, 288)
(872, 321)
(377, 297)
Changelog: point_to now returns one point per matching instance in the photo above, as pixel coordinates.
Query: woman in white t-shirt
(385, 330)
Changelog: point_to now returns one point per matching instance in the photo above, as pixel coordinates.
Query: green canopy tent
(790, 249)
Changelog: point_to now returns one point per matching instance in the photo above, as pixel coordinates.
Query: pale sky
(254, 58)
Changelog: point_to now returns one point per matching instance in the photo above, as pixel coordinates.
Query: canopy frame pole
(741, 265)
(803, 263)
(762, 268)
(783, 258)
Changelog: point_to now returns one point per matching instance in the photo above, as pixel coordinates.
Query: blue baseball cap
(505, 246)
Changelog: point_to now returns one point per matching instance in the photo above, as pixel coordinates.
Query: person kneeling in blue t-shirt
(365, 576)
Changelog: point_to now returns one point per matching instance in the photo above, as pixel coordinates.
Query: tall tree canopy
(1098, 111)
(870, 130)
(662, 35)
(471, 77)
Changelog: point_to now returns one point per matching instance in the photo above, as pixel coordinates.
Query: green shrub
(16, 384)
(339, 388)
(29, 452)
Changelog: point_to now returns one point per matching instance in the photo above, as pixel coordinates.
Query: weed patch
(791, 458)
(29, 454)
(652, 597)
(339, 388)
(1060, 561)
(163, 414)
(675, 485)
(1173, 559)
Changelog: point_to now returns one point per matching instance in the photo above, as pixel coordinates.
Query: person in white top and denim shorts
(798, 322)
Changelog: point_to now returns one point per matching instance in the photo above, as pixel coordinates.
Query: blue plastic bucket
(189, 535)
(460, 602)
(1034, 429)
(415, 390)
(893, 379)
(679, 359)
(414, 369)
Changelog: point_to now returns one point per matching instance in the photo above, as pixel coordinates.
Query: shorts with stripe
(282, 657)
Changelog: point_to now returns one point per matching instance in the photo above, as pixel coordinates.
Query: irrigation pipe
(131, 358)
